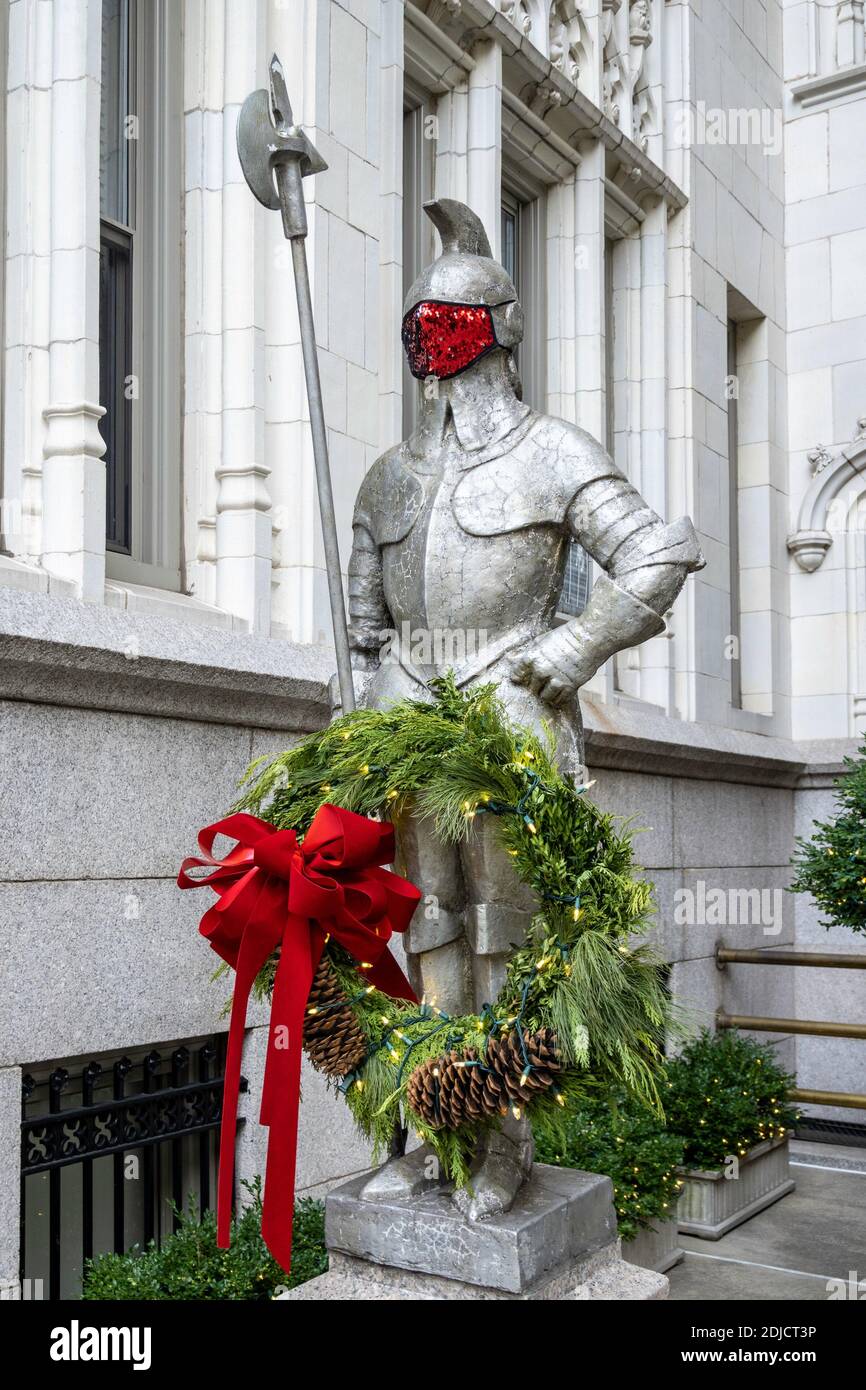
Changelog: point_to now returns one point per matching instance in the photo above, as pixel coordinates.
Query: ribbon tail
(257, 942)
(247, 968)
(282, 1083)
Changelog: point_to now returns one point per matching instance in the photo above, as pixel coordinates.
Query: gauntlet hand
(556, 664)
(552, 668)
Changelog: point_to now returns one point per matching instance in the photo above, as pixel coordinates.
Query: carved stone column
(243, 522)
(73, 542)
(27, 328)
(655, 664)
(849, 33)
(589, 289)
(484, 144)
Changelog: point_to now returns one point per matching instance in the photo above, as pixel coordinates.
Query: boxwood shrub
(189, 1266)
(628, 1142)
(726, 1093)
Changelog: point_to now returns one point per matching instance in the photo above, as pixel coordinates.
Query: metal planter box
(710, 1204)
(654, 1248)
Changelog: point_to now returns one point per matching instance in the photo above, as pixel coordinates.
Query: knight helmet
(462, 306)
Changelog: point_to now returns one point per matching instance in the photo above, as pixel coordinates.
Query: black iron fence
(108, 1147)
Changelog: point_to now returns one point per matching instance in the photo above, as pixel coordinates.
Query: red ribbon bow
(274, 891)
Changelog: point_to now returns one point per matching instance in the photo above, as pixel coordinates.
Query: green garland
(452, 760)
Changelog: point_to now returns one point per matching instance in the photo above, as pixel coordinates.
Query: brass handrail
(851, 1100)
(817, 1028)
(727, 955)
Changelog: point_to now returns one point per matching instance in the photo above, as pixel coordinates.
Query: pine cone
(449, 1091)
(508, 1060)
(422, 1092)
(333, 1040)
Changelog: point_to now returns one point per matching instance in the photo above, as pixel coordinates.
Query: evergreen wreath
(581, 1009)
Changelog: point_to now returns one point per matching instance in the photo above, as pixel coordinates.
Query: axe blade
(267, 137)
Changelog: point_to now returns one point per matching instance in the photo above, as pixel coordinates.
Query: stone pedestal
(558, 1242)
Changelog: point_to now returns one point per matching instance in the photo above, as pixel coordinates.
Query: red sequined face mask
(444, 339)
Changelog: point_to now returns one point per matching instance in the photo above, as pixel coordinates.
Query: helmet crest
(459, 227)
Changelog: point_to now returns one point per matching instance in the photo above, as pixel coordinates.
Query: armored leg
(437, 952)
(439, 968)
(498, 908)
(498, 914)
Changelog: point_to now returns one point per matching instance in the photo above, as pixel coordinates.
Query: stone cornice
(830, 86)
(629, 740)
(570, 115)
(64, 652)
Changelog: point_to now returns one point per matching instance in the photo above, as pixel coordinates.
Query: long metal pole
(290, 189)
(323, 475)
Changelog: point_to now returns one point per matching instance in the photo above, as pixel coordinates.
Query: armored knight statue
(464, 529)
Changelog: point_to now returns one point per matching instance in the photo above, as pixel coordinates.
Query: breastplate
(442, 577)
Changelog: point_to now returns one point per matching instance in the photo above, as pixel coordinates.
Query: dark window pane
(115, 305)
(734, 520)
(509, 242)
(575, 590)
(116, 182)
(115, 147)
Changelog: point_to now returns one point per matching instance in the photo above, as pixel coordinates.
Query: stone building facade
(679, 187)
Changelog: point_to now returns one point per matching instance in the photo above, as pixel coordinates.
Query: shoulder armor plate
(390, 498)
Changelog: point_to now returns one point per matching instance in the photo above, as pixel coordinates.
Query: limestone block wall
(718, 808)
(825, 235)
(726, 264)
(721, 811)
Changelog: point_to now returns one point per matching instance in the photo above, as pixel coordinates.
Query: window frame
(526, 201)
(419, 184)
(149, 551)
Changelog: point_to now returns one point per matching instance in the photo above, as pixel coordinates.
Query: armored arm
(368, 614)
(646, 563)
